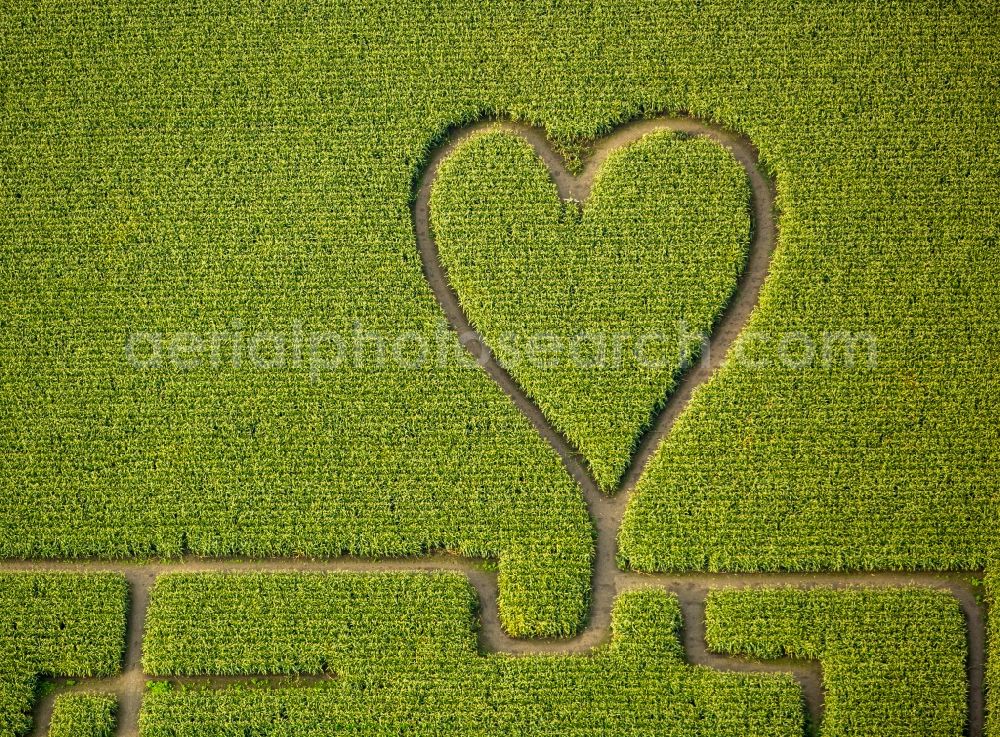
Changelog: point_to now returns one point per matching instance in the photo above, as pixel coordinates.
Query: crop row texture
(401, 653)
(594, 313)
(235, 170)
(83, 715)
(57, 625)
(893, 660)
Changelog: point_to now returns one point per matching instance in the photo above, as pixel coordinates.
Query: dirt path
(578, 188)
(606, 511)
(691, 589)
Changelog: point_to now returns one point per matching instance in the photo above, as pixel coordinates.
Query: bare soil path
(606, 511)
(691, 589)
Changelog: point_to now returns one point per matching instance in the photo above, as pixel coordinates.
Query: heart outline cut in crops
(577, 187)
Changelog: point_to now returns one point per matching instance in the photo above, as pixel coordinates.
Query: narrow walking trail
(606, 510)
(691, 589)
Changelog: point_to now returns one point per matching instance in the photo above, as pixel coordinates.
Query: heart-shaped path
(594, 307)
(607, 511)
(578, 187)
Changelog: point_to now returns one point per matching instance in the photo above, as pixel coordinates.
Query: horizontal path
(691, 589)
(606, 511)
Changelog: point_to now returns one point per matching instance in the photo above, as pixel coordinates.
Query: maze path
(691, 589)
(606, 511)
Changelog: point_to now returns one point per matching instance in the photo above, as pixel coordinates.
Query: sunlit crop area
(252, 482)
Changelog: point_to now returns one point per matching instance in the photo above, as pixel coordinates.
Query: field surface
(327, 319)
